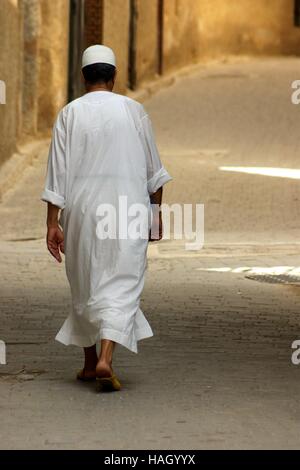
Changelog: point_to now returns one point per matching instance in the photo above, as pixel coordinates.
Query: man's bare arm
(52, 215)
(156, 232)
(156, 198)
(55, 236)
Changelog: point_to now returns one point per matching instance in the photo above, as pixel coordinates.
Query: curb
(148, 89)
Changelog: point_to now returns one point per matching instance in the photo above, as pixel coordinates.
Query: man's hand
(55, 241)
(156, 232)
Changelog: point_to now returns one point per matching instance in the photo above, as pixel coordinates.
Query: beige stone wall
(181, 33)
(199, 29)
(116, 36)
(53, 60)
(248, 27)
(34, 65)
(146, 40)
(31, 24)
(10, 72)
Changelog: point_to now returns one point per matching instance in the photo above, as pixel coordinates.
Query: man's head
(99, 66)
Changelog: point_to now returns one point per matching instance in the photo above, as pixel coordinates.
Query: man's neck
(98, 88)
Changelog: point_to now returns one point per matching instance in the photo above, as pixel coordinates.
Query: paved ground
(217, 373)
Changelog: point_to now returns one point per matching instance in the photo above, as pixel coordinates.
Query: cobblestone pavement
(218, 371)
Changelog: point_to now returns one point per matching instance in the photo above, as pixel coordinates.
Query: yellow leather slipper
(108, 384)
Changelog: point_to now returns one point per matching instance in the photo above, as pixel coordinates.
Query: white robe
(102, 147)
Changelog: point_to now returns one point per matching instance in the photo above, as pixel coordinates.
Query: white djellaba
(103, 147)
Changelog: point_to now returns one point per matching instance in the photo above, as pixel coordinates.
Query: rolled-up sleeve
(157, 175)
(55, 184)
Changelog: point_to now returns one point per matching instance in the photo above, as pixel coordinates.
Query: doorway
(133, 42)
(76, 47)
(86, 29)
(133, 14)
(297, 13)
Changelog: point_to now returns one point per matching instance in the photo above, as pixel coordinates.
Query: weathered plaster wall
(181, 33)
(248, 26)
(53, 60)
(146, 40)
(10, 73)
(199, 29)
(34, 65)
(116, 36)
(31, 24)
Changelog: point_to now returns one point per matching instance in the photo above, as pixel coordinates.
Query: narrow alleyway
(218, 372)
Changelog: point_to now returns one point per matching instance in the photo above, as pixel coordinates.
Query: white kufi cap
(98, 54)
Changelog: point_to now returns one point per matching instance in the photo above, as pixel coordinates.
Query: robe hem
(105, 333)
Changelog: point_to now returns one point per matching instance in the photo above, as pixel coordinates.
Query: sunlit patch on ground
(265, 171)
(275, 274)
